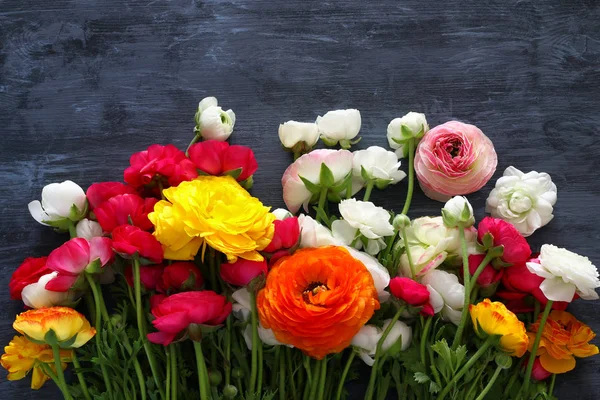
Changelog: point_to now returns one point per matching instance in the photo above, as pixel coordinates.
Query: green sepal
(406, 132)
(364, 174)
(75, 214)
(487, 241)
(68, 344)
(34, 340)
(50, 338)
(449, 219)
(343, 185)
(202, 173)
(400, 141)
(328, 142)
(197, 331)
(234, 173)
(62, 225)
(355, 141)
(95, 267)
(382, 183)
(333, 197)
(247, 183)
(326, 178)
(311, 187)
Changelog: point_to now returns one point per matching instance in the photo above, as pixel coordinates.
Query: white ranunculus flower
(60, 203)
(281, 214)
(415, 127)
(431, 243)
(365, 341)
(565, 273)
(380, 165)
(371, 221)
(339, 126)
(88, 229)
(446, 294)
(458, 210)
(212, 122)
(295, 134)
(35, 295)
(313, 234)
(380, 274)
(524, 200)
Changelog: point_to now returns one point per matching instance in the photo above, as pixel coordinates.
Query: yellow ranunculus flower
(71, 329)
(22, 355)
(495, 319)
(215, 210)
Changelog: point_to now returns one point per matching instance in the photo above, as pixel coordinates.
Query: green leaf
(313, 188)
(326, 178)
(420, 377)
(234, 173)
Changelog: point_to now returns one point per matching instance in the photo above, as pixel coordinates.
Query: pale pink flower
(454, 159)
(308, 166)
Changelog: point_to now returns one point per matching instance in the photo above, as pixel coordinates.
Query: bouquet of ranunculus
(195, 289)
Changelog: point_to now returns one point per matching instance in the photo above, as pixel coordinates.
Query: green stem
(484, 347)
(536, 344)
(98, 336)
(194, 140)
(322, 379)
(488, 387)
(536, 309)
(97, 292)
(259, 379)
(255, 340)
(340, 388)
(424, 337)
(316, 378)
(322, 200)
(408, 255)
(72, 229)
(281, 372)
(512, 379)
(202, 372)
(488, 258)
(168, 365)
(228, 351)
(59, 373)
(288, 359)
(375, 367)
(80, 378)
(368, 190)
(467, 279)
(411, 175)
(142, 326)
(552, 382)
(174, 377)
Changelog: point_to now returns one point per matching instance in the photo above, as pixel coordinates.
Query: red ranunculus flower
(217, 158)
(156, 299)
(287, 233)
(516, 248)
(30, 271)
(538, 372)
(120, 209)
(98, 193)
(72, 258)
(178, 314)
(129, 240)
(180, 277)
(241, 272)
(410, 291)
(165, 163)
(150, 276)
(489, 275)
(518, 283)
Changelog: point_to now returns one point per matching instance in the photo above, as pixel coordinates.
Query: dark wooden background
(85, 83)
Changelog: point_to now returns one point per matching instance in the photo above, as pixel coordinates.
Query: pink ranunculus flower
(72, 258)
(308, 166)
(454, 159)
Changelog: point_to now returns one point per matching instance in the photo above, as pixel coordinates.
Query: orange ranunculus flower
(564, 338)
(317, 299)
(71, 329)
(22, 355)
(495, 319)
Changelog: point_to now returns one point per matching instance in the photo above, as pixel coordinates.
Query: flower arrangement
(195, 289)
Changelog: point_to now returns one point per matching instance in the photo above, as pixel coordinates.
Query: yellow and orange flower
(563, 338)
(22, 355)
(317, 299)
(71, 329)
(213, 210)
(495, 319)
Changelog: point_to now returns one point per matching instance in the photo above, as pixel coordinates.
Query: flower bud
(88, 229)
(212, 122)
(230, 391)
(281, 214)
(411, 126)
(339, 126)
(299, 137)
(401, 221)
(215, 377)
(458, 211)
(62, 204)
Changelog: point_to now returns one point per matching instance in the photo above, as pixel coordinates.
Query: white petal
(556, 289)
(36, 211)
(342, 230)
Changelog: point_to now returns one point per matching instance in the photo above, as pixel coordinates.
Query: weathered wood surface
(85, 83)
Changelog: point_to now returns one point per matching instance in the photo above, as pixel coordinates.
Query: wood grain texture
(85, 83)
